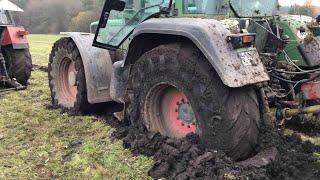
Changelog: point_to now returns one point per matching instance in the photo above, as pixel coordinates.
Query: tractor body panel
(15, 36)
(236, 68)
(296, 28)
(97, 65)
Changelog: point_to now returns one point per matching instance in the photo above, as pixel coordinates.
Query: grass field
(36, 143)
(40, 47)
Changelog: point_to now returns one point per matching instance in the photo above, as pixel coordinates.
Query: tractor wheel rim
(174, 111)
(67, 80)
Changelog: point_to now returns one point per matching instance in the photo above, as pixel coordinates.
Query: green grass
(36, 143)
(40, 47)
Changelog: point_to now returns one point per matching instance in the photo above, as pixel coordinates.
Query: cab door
(120, 18)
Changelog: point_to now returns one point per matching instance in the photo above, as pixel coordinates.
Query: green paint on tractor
(296, 28)
(293, 25)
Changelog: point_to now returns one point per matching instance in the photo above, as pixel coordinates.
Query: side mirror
(118, 5)
(318, 18)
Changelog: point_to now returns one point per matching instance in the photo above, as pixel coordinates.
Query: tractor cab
(116, 24)
(6, 7)
(6, 18)
(236, 8)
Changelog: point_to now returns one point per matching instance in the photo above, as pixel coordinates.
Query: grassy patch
(40, 143)
(40, 47)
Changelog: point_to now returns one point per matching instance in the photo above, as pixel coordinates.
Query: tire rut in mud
(188, 159)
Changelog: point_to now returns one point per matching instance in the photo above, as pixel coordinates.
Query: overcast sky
(299, 2)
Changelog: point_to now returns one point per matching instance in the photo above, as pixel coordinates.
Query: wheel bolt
(194, 124)
(189, 126)
(178, 118)
(182, 124)
(183, 101)
(177, 110)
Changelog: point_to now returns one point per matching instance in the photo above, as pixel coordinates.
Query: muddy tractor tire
(176, 92)
(67, 77)
(19, 64)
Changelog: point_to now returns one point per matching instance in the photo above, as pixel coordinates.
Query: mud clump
(296, 158)
(40, 68)
(188, 159)
(309, 125)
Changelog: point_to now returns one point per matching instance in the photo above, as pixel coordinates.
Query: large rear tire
(66, 77)
(176, 91)
(19, 63)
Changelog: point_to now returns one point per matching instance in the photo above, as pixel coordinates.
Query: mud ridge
(188, 159)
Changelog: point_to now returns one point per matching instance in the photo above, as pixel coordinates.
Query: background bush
(54, 16)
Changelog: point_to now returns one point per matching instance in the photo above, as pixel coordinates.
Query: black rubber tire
(19, 63)
(227, 119)
(65, 47)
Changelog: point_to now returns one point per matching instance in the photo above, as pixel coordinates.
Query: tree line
(54, 16)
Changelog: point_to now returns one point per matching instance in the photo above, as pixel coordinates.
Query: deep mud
(188, 159)
(309, 126)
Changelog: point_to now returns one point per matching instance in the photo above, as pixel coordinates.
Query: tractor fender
(97, 66)
(15, 36)
(210, 36)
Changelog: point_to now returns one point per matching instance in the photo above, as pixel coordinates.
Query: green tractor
(221, 69)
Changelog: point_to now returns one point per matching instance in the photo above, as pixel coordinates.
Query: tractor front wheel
(176, 91)
(66, 76)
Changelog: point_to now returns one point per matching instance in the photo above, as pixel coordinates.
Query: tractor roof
(6, 5)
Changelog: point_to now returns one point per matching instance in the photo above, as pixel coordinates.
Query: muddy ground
(277, 156)
(188, 159)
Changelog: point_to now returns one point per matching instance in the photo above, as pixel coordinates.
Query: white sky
(299, 2)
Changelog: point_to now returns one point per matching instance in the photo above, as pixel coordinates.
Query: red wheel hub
(180, 115)
(67, 80)
(169, 111)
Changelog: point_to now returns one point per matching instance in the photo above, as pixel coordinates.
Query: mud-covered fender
(97, 66)
(210, 36)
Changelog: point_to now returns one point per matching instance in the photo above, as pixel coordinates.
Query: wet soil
(303, 125)
(187, 158)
